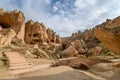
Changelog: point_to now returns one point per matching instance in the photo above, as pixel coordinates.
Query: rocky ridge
(109, 34)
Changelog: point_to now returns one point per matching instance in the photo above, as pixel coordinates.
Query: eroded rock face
(109, 34)
(113, 23)
(35, 32)
(58, 39)
(12, 26)
(109, 39)
(52, 37)
(6, 35)
(88, 35)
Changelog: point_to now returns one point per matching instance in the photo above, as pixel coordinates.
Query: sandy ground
(55, 73)
(101, 71)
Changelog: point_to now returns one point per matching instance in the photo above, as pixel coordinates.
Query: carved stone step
(20, 67)
(19, 64)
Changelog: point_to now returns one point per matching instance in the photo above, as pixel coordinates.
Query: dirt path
(97, 77)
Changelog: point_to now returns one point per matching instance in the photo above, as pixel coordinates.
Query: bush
(4, 59)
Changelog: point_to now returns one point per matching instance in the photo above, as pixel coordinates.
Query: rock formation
(83, 42)
(109, 34)
(113, 23)
(69, 52)
(13, 29)
(87, 35)
(35, 32)
(109, 39)
(12, 26)
(52, 37)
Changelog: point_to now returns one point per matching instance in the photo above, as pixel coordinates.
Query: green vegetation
(4, 59)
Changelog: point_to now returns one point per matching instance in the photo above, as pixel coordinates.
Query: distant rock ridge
(107, 33)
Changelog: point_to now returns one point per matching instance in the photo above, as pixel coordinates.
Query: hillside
(31, 51)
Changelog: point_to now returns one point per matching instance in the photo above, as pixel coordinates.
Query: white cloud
(66, 17)
(81, 4)
(91, 2)
(55, 8)
(97, 13)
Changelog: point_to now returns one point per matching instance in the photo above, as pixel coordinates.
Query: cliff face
(37, 32)
(109, 34)
(13, 20)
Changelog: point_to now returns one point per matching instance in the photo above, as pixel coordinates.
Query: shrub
(4, 59)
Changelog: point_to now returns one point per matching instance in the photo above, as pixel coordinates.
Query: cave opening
(35, 35)
(52, 40)
(4, 25)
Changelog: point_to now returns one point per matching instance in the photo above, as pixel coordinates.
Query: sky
(66, 16)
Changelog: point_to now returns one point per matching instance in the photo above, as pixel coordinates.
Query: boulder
(77, 44)
(79, 63)
(69, 52)
(40, 53)
(81, 51)
(95, 50)
(7, 36)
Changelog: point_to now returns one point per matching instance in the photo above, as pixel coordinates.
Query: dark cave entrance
(4, 25)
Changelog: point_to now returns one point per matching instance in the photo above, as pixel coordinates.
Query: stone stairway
(16, 61)
(34, 68)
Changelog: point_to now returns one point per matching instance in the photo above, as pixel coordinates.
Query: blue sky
(66, 16)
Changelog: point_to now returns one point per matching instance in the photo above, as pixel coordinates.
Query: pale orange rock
(14, 21)
(35, 32)
(113, 23)
(96, 50)
(69, 52)
(109, 39)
